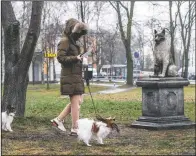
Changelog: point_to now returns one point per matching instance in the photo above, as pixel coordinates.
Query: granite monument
(162, 93)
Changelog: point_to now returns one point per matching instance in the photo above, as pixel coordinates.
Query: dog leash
(86, 52)
(92, 101)
(96, 115)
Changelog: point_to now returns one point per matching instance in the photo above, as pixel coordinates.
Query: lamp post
(48, 54)
(33, 67)
(33, 74)
(85, 67)
(42, 67)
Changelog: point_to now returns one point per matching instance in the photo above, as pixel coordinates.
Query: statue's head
(159, 36)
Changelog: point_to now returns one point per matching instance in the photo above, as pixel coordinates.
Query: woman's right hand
(79, 57)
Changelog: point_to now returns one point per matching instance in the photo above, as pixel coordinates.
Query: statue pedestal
(162, 104)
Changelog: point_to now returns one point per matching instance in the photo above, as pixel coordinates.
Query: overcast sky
(143, 11)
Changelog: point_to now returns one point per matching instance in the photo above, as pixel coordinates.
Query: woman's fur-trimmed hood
(75, 26)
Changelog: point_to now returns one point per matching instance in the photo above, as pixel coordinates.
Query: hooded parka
(71, 82)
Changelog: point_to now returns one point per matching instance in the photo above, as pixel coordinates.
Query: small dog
(7, 118)
(164, 64)
(88, 129)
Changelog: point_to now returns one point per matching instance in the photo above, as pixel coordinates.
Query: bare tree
(186, 29)
(98, 37)
(87, 10)
(43, 42)
(109, 48)
(82, 13)
(126, 39)
(17, 62)
(148, 62)
(110, 45)
(52, 29)
(2, 59)
(138, 42)
(173, 24)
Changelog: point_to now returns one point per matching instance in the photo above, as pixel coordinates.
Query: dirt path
(129, 141)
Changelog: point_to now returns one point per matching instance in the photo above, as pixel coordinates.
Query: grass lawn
(33, 134)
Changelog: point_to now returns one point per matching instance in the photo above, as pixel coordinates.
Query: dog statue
(163, 60)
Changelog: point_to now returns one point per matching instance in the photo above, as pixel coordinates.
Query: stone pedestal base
(160, 123)
(162, 104)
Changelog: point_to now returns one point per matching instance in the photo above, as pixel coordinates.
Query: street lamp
(33, 66)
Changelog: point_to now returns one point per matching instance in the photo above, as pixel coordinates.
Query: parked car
(136, 74)
(103, 73)
(191, 72)
(95, 75)
(145, 74)
(192, 77)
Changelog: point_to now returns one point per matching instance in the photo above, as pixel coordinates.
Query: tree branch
(189, 28)
(32, 35)
(7, 15)
(176, 15)
(124, 8)
(113, 6)
(129, 24)
(11, 33)
(185, 17)
(120, 23)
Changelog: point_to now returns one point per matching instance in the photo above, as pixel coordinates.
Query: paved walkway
(192, 81)
(113, 88)
(105, 84)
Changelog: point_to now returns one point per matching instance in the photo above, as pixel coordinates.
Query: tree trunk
(126, 39)
(42, 68)
(54, 71)
(190, 23)
(16, 63)
(2, 59)
(182, 74)
(15, 87)
(33, 73)
(129, 65)
(48, 66)
(15, 84)
(186, 33)
(83, 20)
(186, 64)
(171, 31)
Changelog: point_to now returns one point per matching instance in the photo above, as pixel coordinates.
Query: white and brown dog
(90, 129)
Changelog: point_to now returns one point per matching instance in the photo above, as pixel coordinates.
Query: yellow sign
(50, 55)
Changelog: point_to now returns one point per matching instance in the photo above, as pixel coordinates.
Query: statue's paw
(161, 75)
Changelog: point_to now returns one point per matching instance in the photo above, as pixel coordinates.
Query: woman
(71, 73)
